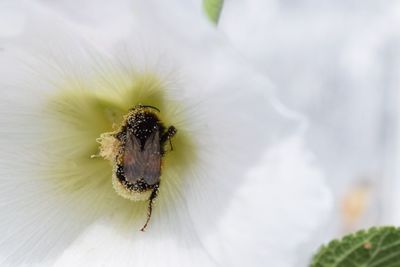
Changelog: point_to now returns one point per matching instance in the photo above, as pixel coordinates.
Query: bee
(136, 150)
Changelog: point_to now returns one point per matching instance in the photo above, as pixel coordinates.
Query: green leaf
(213, 9)
(376, 247)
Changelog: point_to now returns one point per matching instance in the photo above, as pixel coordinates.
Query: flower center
(148, 155)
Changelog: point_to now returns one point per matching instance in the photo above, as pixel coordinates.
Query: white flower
(236, 188)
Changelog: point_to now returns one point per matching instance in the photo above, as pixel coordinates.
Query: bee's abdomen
(139, 186)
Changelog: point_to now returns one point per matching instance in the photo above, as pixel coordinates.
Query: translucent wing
(152, 154)
(142, 164)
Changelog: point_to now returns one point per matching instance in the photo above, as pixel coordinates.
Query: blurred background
(338, 63)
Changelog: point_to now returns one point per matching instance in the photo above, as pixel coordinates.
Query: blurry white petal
(338, 64)
(12, 21)
(276, 215)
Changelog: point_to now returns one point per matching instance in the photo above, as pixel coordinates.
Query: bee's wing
(152, 154)
(133, 162)
(144, 164)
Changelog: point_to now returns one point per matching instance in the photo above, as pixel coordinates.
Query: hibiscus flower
(238, 186)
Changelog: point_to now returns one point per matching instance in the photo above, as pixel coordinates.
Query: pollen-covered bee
(136, 150)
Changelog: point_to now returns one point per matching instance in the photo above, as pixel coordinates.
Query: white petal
(102, 245)
(11, 20)
(276, 215)
(327, 58)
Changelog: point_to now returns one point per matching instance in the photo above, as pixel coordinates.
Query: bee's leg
(153, 196)
(168, 135)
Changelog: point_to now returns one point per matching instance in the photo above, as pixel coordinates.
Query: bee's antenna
(148, 106)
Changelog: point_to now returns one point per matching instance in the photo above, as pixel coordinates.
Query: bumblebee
(136, 150)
